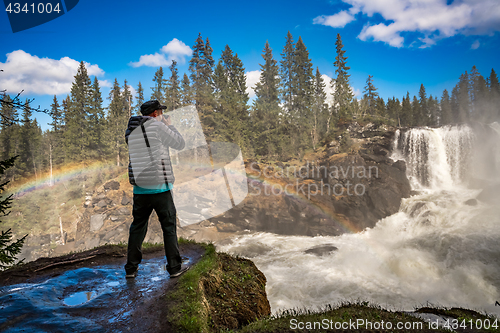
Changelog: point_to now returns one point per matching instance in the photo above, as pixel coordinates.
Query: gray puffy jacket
(160, 137)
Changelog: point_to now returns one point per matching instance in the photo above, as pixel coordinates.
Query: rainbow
(321, 209)
(61, 174)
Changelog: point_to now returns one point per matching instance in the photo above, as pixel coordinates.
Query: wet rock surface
(88, 292)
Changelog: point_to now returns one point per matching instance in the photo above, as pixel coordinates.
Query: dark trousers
(163, 204)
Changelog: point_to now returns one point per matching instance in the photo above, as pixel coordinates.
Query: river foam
(436, 250)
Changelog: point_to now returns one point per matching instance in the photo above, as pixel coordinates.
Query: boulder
(321, 250)
(97, 221)
(112, 185)
(471, 202)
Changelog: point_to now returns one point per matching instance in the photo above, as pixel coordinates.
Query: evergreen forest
(289, 115)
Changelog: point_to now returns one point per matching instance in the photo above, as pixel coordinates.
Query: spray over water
(442, 247)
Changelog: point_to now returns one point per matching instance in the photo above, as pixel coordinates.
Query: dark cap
(150, 106)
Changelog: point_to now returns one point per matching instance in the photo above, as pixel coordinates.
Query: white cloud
(23, 71)
(174, 50)
(252, 79)
(432, 19)
(475, 45)
(104, 83)
(338, 20)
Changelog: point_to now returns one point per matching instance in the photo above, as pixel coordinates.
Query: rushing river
(441, 248)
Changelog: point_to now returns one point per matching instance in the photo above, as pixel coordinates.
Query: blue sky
(401, 43)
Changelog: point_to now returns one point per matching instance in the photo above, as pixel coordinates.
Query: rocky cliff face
(327, 193)
(345, 186)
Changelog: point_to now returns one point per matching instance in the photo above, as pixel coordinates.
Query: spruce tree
(266, 110)
(232, 98)
(139, 99)
(445, 109)
(9, 249)
(463, 98)
(8, 122)
(201, 68)
(433, 109)
(303, 99)
(423, 117)
(117, 122)
(24, 163)
(415, 110)
(455, 110)
(494, 96)
(342, 95)
(186, 91)
(173, 88)
(394, 109)
(288, 90)
(320, 109)
(158, 89)
(57, 116)
(406, 111)
(380, 109)
(96, 123)
(370, 93)
(127, 100)
(78, 109)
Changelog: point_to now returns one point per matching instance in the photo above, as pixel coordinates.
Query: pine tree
(232, 98)
(117, 121)
(319, 109)
(433, 107)
(303, 100)
(494, 96)
(479, 94)
(394, 109)
(288, 91)
(266, 110)
(186, 91)
(127, 100)
(76, 129)
(158, 89)
(96, 123)
(57, 116)
(9, 249)
(201, 67)
(406, 111)
(370, 93)
(415, 110)
(423, 117)
(25, 161)
(463, 98)
(454, 105)
(8, 123)
(380, 109)
(342, 95)
(445, 109)
(173, 89)
(139, 99)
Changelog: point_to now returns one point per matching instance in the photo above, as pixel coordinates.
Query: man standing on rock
(150, 171)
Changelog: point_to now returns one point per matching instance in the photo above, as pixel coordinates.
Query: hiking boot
(131, 275)
(180, 272)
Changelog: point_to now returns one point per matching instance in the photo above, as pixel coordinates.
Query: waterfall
(440, 248)
(436, 157)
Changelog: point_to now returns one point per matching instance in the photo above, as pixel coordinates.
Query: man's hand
(166, 120)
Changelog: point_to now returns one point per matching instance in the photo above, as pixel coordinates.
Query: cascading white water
(436, 249)
(436, 158)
